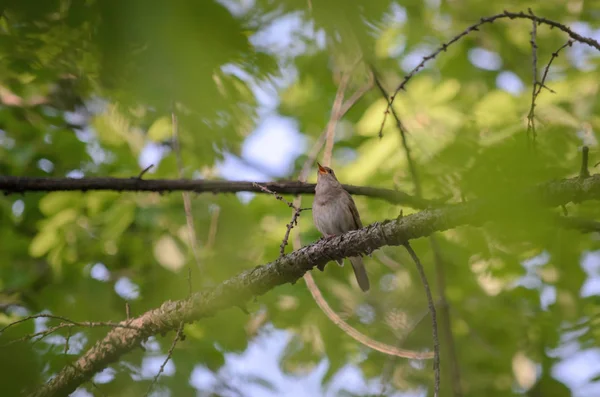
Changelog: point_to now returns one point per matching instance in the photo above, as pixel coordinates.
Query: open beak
(321, 169)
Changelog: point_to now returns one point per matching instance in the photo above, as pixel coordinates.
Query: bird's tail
(360, 272)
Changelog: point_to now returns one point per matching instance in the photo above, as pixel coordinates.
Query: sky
(271, 148)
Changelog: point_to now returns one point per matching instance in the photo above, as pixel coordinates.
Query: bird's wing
(354, 211)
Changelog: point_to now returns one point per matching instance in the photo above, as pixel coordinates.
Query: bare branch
(277, 196)
(144, 171)
(178, 336)
(65, 320)
(66, 323)
(15, 184)
(538, 85)
(531, 115)
(446, 327)
(555, 54)
(293, 221)
(430, 303)
(289, 226)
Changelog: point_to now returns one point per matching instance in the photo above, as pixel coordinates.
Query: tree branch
(475, 27)
(289, 268)
(16, 184)
(431, 305)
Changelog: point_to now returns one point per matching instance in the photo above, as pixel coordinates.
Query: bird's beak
(321, 169)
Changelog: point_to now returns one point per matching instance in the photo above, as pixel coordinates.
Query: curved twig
(356, 335)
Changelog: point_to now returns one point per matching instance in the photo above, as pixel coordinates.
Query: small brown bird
(334, 213)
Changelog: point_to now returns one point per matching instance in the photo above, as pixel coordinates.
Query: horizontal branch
(16, 184)
(289, 268)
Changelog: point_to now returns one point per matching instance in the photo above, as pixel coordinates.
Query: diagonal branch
(289, 268)
(17, 184)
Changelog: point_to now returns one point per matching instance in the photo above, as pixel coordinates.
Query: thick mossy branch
(289, 268)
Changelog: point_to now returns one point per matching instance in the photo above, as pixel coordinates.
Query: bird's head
(325, 175)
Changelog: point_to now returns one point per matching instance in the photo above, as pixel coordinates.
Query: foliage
(88, 87)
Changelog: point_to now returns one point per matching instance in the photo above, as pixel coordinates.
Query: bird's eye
(330, 171)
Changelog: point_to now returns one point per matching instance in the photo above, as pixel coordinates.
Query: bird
(334, 213)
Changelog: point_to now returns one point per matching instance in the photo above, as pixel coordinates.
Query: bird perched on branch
(335, 213)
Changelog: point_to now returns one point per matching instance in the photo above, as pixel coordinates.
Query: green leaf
(53, 202)
(43, 242)
(495, 109)
(118, 218)
(160, 130)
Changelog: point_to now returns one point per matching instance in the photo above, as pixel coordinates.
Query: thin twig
(353, 333)
(277, 196)
(538, 85)
(43, 334)
(542, 83)
(531, 115)
(475, 27)
(430, 303)
(289, 226)
(293, 221)
(68, 321)
(178, 336)
(144, 171)
(440, 278)
(66, 349)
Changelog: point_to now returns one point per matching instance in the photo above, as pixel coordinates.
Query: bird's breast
(331, 216)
